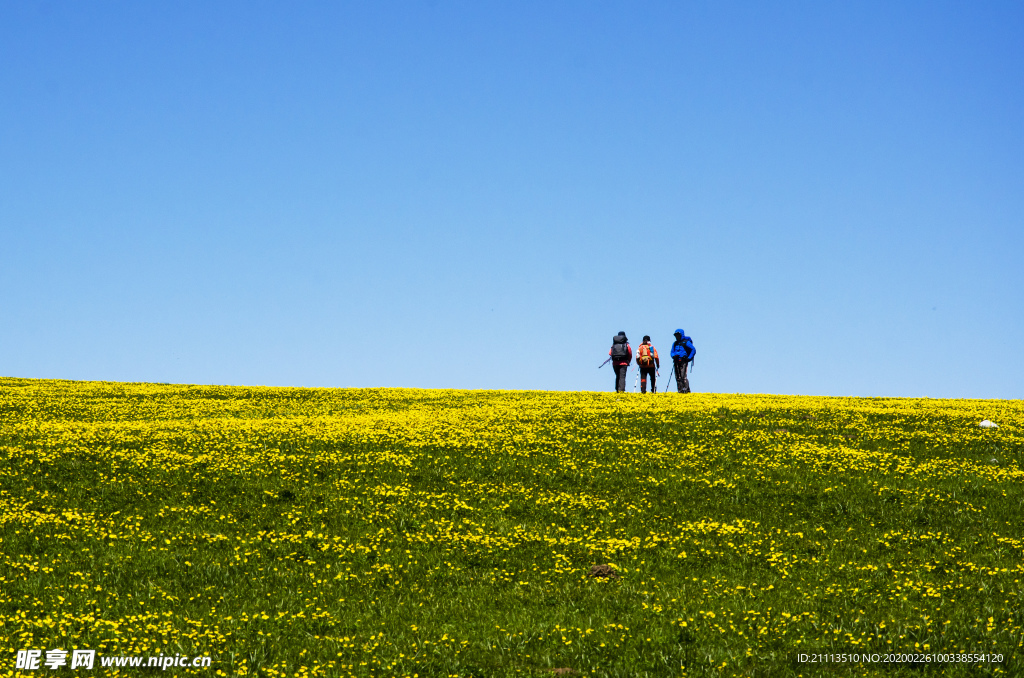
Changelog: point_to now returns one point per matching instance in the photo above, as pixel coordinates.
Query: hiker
(621, 356)
(682, 355)
(649, 363)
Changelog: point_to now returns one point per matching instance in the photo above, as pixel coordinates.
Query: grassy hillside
(390, 532)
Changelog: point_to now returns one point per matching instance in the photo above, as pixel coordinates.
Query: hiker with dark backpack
(682, 357)
(621, 356)
(649, 363)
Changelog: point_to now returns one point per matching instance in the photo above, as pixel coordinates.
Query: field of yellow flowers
(391, 532)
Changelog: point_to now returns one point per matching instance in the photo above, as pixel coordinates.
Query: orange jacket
(645, 352)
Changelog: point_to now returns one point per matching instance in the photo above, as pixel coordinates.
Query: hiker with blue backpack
(682, 356)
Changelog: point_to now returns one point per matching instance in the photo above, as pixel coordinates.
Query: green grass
(442, 533)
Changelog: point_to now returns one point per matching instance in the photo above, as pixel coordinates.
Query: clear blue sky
(828, 197)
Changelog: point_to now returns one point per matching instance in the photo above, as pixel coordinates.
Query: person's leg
(643, 380)
(680, 375)
(620, 382)
(647, 372)
(686, 380)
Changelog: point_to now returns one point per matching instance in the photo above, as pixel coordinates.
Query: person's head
(647, 338)
(679, 334)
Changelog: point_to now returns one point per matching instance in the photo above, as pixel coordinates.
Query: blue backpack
(690, 350)
(687, 347)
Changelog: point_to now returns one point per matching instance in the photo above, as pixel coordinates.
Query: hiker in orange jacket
(648, 362)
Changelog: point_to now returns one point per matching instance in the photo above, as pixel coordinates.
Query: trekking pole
(636, 379)
(671, 372)
(604, 363)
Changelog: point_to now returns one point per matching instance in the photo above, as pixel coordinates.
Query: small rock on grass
(988, 424)
(602, 572)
